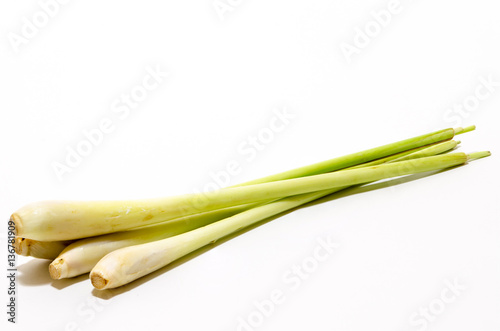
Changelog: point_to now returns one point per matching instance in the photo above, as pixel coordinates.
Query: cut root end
(98, 280)
(56, 269)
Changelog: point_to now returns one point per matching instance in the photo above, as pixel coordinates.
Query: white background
(227, 76)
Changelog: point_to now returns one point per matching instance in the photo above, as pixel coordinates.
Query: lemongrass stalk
(81, 256)
(130, 263)
(39, 249)
(102, 217)
(64, 220)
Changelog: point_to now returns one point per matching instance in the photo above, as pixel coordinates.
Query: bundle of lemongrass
(120, 241)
